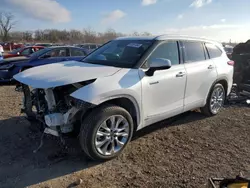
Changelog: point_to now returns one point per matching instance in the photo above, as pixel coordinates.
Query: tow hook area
(63, 121)
(57, 124)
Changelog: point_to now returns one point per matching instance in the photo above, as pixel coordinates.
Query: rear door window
(213, 50)
(193, 51)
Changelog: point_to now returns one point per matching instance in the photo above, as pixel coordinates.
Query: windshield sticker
(134, 45)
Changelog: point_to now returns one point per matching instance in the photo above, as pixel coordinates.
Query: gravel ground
(181, 152)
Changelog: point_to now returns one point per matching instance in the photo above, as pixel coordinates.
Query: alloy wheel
(112, 135)
(217, 100)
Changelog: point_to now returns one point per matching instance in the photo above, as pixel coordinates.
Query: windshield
(39, 52)
(15, 51)
(119, 53)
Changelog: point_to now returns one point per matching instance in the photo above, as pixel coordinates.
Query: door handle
(180, 74)
(210, 67)
(152, 83)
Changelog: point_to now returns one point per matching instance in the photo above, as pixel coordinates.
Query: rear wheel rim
(217, 100)
(112, 135)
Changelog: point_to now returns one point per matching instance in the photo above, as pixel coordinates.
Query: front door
(163, 93)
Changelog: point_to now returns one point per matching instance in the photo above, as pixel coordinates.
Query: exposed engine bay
(54, 107)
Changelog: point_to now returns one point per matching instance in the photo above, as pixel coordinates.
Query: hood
(13, 60)
(63, 73)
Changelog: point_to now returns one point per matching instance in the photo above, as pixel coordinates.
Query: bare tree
(6, 24)
(73, 36)
(146, 34)
(89, 35)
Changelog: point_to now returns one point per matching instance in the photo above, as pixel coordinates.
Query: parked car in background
(58, 44)
(1, 52)
(25, 51)
(2, 44)
(89, 46)
(11, 66)
(44, 44)
(11, 46)
(125, 85)
(28, 44)
(229, 50)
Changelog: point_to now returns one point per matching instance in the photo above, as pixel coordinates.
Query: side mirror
(158, 64)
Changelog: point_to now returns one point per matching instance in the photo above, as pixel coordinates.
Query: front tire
(215, 100)
(105, 132)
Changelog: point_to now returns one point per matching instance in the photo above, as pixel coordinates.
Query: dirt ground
(181, 152)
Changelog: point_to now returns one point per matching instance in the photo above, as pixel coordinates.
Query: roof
(89, 44)
(137, 38)
(166, 37)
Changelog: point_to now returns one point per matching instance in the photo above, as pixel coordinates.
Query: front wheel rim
(217, 100)
(112, 135)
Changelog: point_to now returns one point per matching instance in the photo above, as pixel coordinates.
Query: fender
(126, 83)
(133, 100)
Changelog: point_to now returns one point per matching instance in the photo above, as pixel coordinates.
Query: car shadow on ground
(178, 120)
(21, 167)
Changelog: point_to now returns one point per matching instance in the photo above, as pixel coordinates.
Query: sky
(215, 19)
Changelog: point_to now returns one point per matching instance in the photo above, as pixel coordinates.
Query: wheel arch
(127, 102)
(222, 81)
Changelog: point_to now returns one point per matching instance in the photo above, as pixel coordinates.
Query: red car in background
(25, 51)
(11, 46)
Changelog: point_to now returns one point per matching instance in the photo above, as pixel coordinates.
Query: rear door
(201, 74)
(225, 71)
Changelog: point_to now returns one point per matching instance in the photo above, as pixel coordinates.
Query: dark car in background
(89, 46)
(44, 44)
(25, 51)
(11, 66)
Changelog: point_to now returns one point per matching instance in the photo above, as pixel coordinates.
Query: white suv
(125, 85)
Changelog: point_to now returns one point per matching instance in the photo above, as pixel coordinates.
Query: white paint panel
(63, 73)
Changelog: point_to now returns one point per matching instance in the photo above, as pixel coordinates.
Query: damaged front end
(55, 108)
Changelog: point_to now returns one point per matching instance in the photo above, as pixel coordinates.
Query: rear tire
(105, 132)
(215, 100)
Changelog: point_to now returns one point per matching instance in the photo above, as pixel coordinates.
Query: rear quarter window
(213, 50)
